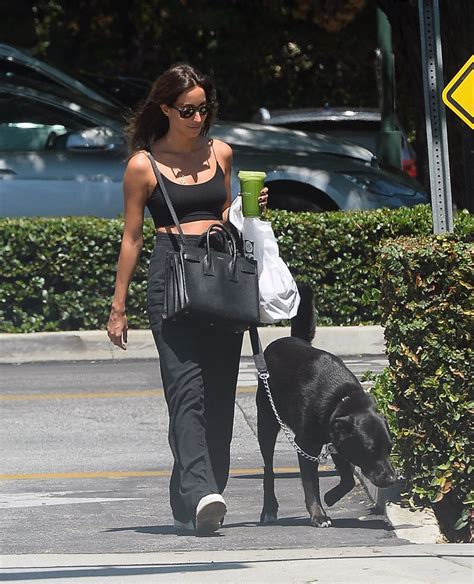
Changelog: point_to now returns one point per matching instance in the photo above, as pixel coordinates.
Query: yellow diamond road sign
(459, 93)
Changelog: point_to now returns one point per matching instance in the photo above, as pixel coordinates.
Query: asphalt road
(85, 468)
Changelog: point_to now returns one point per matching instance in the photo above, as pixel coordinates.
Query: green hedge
(427, 301)
(336, 254)
(58, 273)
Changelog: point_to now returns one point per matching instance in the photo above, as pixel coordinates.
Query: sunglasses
(189, 111)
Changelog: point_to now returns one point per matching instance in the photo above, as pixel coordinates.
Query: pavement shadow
(119, 571)
(354, 523)
(304, 521)
(163, 530)
(285, 521)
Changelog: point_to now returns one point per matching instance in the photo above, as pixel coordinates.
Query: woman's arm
(136, 186)
(225, 159)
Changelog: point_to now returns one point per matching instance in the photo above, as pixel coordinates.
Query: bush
(336, 254)
(58, 273)
(426, 297)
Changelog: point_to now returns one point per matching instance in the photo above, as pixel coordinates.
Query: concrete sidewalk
(95, 345)
(409, 564)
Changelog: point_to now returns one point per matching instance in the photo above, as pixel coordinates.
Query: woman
(199, 366)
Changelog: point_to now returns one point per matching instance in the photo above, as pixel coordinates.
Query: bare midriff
(191, 228)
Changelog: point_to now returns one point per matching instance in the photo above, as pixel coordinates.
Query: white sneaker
(184, 526)
(210, 513)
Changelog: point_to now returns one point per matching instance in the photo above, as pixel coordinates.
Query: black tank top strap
(154, 166)
(218, 166)
(211, 141)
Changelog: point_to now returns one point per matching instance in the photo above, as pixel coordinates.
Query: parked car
(359, 125)
(60, 158)
(62, 152)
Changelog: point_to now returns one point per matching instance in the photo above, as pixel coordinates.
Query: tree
(273, 53)
(259, 52)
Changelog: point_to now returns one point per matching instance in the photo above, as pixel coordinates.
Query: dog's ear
(341, 429)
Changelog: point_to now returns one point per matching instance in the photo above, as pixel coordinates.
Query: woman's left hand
(263, 198)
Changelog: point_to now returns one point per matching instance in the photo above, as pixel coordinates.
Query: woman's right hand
(117, 328)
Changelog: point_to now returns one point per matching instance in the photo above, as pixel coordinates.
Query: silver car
(63, 153)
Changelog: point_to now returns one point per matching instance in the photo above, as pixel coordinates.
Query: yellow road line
(250, 389)
(97, 394)
(120, 474)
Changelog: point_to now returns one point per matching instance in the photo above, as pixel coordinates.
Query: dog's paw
(268, 518)
(321, 521)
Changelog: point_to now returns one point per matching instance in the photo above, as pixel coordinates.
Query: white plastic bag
(279, 297)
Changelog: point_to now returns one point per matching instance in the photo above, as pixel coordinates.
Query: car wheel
(292, 196)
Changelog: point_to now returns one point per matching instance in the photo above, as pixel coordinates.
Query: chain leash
(326, 448)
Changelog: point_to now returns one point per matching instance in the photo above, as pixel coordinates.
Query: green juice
(251, 183)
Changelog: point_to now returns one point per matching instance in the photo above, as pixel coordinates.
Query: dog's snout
(382, 478)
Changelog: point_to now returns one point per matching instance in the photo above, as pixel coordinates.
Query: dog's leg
(310, 481)
(346, 483)
(267, 429)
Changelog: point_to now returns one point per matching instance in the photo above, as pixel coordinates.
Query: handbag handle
(227, 233)
(168, 202)
(233, 248)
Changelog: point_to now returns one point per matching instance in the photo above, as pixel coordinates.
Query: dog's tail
(303, 325)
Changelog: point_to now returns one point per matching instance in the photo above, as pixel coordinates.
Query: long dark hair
(148, 122)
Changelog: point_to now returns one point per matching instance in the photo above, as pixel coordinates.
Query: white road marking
(23, 500)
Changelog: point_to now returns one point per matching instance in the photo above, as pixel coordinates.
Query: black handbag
(213, 287)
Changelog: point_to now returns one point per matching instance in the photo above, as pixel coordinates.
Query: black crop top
(202, 201)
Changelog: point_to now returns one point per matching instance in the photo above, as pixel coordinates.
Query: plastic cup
(251, 183)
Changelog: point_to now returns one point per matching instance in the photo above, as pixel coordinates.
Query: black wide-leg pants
(199, 368)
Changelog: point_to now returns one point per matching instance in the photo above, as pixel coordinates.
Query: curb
(414, 525)
(95, 345)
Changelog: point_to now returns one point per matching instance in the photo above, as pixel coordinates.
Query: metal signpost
(436, 134)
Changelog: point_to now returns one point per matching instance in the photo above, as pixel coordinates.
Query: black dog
(322, 402)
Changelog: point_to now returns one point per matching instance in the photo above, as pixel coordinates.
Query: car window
(27, 124)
